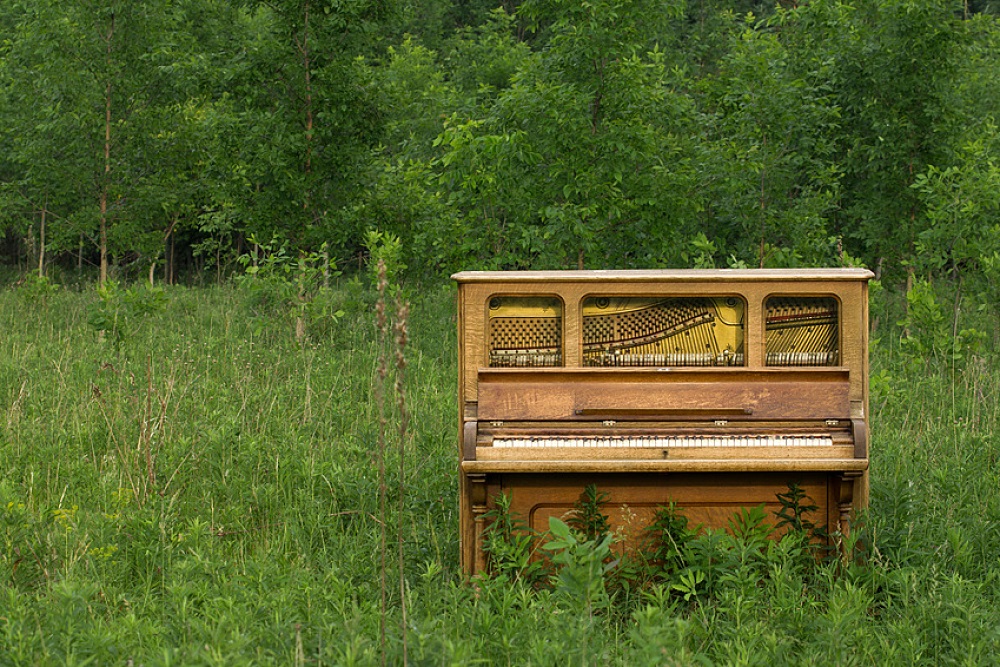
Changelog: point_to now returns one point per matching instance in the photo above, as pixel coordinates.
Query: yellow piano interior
(710, 389)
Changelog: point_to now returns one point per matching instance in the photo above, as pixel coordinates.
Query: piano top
(669, 275)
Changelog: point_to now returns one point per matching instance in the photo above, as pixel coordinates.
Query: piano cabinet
(713, 390)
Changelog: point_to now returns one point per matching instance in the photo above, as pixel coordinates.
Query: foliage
(795, 509)
(282, 285)
(587, 517)
(621, 133)
(667, 538)
(581, 566)
(385, 250)
(927, 331)
(510, 545)
(119, 311)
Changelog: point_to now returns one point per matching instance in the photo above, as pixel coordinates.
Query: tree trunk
(168, 260)
(105, 182)
(300, 313)
(41, 245)
(307, 66)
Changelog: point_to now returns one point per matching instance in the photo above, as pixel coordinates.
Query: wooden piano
(713, 389)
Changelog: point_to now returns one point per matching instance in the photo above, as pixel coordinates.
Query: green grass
(253, 536)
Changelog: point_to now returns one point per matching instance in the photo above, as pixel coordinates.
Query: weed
(587, 516)
(285, 285)
(119, 311)
(511, 546)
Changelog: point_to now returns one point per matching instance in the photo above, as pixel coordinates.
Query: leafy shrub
(582, 565)
(119, 312)
(289, 288)
(510, 545)
(928, 332)
(587, 517)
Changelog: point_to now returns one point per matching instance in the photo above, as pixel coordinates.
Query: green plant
(795, 508)
(37, 289)
(667, 538)
(286, 285)
(511, 545)
(582, 566)
(119, 312)
(386, 249)
(587, 516)
(927, 331)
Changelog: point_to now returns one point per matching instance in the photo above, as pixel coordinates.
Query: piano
(711, 389)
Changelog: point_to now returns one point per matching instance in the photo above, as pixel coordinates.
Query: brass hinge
(496, 424)
(722, 422)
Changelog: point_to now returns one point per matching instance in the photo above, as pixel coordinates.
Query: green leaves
(579, 578)
(118, 312)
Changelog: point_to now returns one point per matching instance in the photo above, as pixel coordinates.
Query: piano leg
(478, 498)
(848, 481)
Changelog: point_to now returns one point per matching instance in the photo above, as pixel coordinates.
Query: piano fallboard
(573, 395)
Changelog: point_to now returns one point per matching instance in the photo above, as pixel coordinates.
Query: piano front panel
(707, 499)
(597, 394)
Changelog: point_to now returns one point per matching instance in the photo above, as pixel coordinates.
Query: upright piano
(710, 389)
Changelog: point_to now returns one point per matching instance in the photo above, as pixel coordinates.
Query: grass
(206, 493)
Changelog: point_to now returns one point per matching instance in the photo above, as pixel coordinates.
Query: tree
(82, 74)
(581, 157)
(305, 134)
(768, 174)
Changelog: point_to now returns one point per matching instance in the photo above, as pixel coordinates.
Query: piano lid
(667, 275)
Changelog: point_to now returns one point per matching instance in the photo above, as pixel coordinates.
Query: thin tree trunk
(300, 315)
(763, 209)
(41, 246)
(326, 266)
(168, 269)
(307, 66)
(105, 183)
(909, 286)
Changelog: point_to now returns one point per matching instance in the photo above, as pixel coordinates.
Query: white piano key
(668, 441)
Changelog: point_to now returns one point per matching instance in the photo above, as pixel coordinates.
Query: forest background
(174, 136)
(192, 475)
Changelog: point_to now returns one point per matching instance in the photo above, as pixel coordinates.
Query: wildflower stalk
(383, 371)
(402, 313)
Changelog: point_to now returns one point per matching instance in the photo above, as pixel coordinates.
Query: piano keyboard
(666, 442)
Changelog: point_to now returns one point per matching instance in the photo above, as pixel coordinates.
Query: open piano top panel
(710, 389)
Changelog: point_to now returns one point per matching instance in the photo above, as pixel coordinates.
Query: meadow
(196, 486)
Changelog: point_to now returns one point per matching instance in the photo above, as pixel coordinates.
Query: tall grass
(207, 492)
